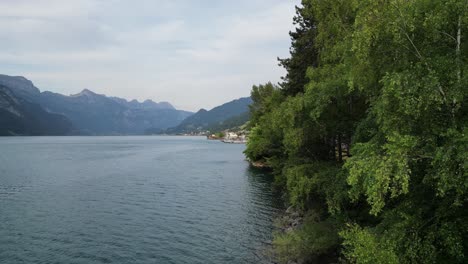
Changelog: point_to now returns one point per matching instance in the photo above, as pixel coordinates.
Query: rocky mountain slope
(19, 116)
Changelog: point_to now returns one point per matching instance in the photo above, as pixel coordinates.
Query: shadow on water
(264, 195)
(264, 180)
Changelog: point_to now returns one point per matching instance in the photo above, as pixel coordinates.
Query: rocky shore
(291, 220)
(259, 164)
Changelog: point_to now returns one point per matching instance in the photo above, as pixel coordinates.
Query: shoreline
(259, 164)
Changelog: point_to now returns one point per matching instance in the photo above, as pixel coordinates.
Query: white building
(232, 136)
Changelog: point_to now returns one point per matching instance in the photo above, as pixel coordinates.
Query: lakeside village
(226, 136)
(230, 137)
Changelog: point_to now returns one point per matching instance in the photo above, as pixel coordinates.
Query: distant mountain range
(87, 112)
(225, 116)
(25, 110)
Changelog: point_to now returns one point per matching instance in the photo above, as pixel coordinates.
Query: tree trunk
(332, 148)
(348, 151)
(458, 49)
(340, 151)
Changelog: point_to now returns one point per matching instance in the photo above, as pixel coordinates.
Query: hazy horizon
(193, 54)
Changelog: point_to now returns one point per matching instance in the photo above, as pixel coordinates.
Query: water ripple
(131, 200)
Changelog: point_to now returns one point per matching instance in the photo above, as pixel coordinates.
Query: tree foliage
(368, 129)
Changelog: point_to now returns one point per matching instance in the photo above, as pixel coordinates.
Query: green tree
(367, 136)
(411, 166)
(303, 51)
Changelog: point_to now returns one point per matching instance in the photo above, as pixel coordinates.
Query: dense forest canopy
(367, 132)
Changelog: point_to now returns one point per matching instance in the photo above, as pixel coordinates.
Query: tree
(303, 51)
(368, 136)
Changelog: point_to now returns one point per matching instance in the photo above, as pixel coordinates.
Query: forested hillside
(367, 136)
(233, 113)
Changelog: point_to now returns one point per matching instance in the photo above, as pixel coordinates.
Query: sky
(192, 53)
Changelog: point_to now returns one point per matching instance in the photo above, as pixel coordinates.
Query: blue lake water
(131, 200)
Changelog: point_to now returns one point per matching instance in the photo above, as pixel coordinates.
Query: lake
(145, 199)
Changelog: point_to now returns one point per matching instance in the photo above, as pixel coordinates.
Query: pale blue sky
(192, 53)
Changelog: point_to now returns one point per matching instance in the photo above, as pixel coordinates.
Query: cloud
(249, 34)
(177, 51)
(154, 35)
(45, 9)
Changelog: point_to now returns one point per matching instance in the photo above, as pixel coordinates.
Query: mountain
(233, 123)
(21, 117)
(97, 114)
(204, 120)
(147, 104)
(21, 87)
